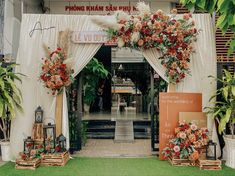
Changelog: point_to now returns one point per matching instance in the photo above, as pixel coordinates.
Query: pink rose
(176, 148)
(182, 135)
(193, 127)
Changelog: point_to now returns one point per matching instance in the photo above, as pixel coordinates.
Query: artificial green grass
(114, 167)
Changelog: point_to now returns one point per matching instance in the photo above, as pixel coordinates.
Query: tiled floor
(116, 116)
(109, 148)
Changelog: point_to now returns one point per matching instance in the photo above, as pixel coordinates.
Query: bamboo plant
(224, 109)
(10, 98)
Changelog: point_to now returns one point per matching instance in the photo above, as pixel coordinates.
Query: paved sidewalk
(1, 162)
(109, 148)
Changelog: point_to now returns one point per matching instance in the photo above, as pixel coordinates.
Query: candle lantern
(28, 145)
(61, 143)
(211, 150)
(49, 137)
(39, 115)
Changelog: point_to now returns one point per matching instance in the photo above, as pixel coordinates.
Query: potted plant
(10, 100)
(224, 111)
(93, 73)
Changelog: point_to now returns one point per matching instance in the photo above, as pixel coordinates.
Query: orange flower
(140, 42)
(171, 72)
(186, 16)
(194, 156)
(174, 11)
(174, 65)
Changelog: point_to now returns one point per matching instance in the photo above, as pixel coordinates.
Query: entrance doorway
(125, 113)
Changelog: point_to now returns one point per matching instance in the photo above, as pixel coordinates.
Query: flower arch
(171, 36)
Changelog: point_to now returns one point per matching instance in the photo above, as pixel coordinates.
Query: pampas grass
(63, 40)
(46, 50)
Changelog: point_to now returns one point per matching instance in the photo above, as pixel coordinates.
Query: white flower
(120, 42)
(150, 24)
(136, 20)
(193, 127)
(143, 9)
(122, 16)
(135, 36)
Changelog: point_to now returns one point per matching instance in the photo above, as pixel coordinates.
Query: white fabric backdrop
(29, 58)
(30, 51)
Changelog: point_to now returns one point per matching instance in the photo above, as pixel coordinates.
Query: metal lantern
(211, 150)
(28, 145)
(39, 115)
(49, 137)
(61, 142)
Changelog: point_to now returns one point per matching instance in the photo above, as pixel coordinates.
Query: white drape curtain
(29, 57)
(152, 55)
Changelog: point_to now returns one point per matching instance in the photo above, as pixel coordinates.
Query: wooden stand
(37, 132)
(171, 87)
(205, 164)
(58, 114)
(55, 159)
(27, 164)
(181, 162)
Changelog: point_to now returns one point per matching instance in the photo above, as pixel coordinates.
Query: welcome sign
(171, 104)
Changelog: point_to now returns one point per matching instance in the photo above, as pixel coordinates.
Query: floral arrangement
(188, 139)
(32, 153)
(55, 73)
(173, 37)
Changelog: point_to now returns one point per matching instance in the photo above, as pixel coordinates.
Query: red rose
(63, 66)
(23, 156)
(58, 49)
(177, 154)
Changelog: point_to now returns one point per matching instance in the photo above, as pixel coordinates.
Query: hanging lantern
(211, 150)
(28, 145)
(49, 137)
(39, 115)
(61, 143)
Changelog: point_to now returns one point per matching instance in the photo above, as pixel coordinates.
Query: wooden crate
(205, 164)
(181, 162)
(55, 159)
(27, 164)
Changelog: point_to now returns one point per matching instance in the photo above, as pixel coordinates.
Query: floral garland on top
(187, 141)
(173, 37)
(55, 73)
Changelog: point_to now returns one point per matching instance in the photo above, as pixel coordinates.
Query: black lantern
(39, 115)
(49, 137)
(28, 145)
(61, 143)
(211, 150)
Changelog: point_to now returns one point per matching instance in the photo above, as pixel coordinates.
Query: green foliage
(225, 109)
(93, 73)
(10, 97)
(226, 11)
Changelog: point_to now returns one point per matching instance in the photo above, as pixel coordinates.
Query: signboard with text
(91, 37)
(170, 105)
